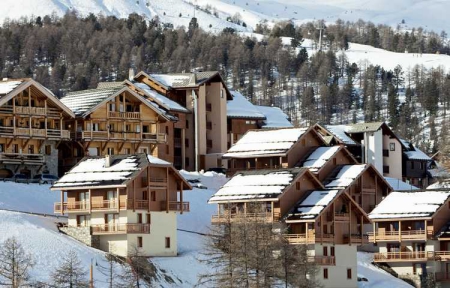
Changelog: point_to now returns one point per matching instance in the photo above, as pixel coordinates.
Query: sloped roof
(399, 185)
(320, 157)
(107, 85)
(161, 99)
(420, 204)
(417, 154)
(240, 107)
(256, 185)
(313, 204)
(265, 143)
(92, 171)
(181, 80)
(364, 127)
(339, 131)
(8, 85)
(81, 102)
(275, 117)
(345, 177)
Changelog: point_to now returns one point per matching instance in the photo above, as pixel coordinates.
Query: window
(385, 153)
(187, 124)
(110, 151)
(167, 149)
(2, 147)
(349, 273)
(149, 218)
(15, 148)
(332, 251)
(325, 273)
(30, 149)
(186, 143)
(209, 143)
(127, 151)
(325, 251)
(186, 161)
(48, 150)
(421, 165)
(386, 169)
(139, 242)
(139, 216)
(392, 146)
(167, 242)
(412, 164)
(153, 195)
(221, 93)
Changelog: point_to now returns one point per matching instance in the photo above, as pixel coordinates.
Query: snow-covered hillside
(40, 237)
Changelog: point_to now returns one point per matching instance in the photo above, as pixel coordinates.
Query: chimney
(193, 80)
(108, 161)
(131, 74)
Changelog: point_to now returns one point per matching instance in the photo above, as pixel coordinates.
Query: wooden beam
(90, 200)
(181, 197)
(24, 145)
(120, 147)
(148, 187)
(9, 144)
(167, 189)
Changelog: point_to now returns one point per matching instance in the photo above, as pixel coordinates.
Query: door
(83, 198)
(111, 196)
(112, 220)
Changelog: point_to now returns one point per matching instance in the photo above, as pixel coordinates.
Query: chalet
(121, 203)
(411, 231)
(204, 133)
(32, 125)
(109, 121)
(416, 166)
(323, 160)
(331, 223)
(270, 191)
(362, 182)
(273, 148)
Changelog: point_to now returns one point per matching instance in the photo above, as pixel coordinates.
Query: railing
(29, 132)
(158, 182)
(323, 260)
(126, 115)
(86, 206)
(158, 137)
(356, 239)
(17, 158)
(111, 135)
(397, 236)
(76, 206)
(108, 205)
(225, 217)
(341, 217)
(6, 130)
(30, 110)
(442, 255)
(120, 229)
(300, 238)
(329, 238)
(139, 204)
(403, 256)
(175, 206)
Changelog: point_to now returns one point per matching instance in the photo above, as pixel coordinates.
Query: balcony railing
(86, 206)
(26, 110)
(31, 132)
(225, 217)
(397, 236)
(403, 256)
(138, 204)
(341, 217)
(125, 115)
(18, 158)
(442, 255)
(300, 238)
(120, 229)
(356, 239)
(175, 206)
(323, 260)
(130, 136)
(76, 206)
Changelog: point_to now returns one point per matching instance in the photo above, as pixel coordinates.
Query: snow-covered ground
(40, 237)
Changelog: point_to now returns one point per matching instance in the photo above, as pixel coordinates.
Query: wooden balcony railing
(225, 217)
(17, 158)
(111, 135)
(120, 229)
(397, 236)
(86, 206)
(31, 132)
(138, 204)
(300, 238)
(403, 256)
(323, 260)
(26, 110)
(328, 238)
(356, 239)
(108, 205)
(175, 206)
(76, 206)
(442, 255)
(341, 217)
(125, 115)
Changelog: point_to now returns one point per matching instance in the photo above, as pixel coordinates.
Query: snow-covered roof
(399, 185)
(255, 185)
(313, 204)
(161, 99)
(275, 117)
(81, 102)
(439, 172)
(6, 86)
(417, 154)
(181, 80)
(421, 204)
(339, 131)
(157, 161)
(265, 143)
(319, 157)
(240, 107)
(346, 175)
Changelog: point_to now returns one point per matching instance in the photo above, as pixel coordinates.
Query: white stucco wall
(394, 161)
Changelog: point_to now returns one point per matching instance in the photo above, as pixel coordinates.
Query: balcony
(397, 235)
(323, 260)
(85, 206)
(442, 255)
(356, 239)
(138, 204)
(233, 217)
(37, 133)
(158, 182)
(300, 238)
(121, 136)
(341, 217)
(26, 110)
(124, 115)
(106, 229)
(175, 206)
(17, 159)
(412, 256)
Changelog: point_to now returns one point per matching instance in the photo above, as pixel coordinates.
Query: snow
(314, 204)
(156, 160)
(163, 100)
(240, 107)
(254, 185)
(170, 80)
(27, 197)
(319, 157)
(340, 132)
(275, 117)
(413, 204)
(265, 142)
(399, 185)
(346, 176)
(417, 155)
(8, 86)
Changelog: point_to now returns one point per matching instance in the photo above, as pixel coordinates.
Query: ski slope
(40, 237)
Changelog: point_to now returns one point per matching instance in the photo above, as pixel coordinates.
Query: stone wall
(82, 234)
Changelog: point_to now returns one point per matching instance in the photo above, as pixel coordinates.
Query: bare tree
(110, 270)
(138, 272)
(70, 273)
(15, 263)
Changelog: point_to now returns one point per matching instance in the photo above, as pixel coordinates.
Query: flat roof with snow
(420, 204)
(256, 185)
(265, 143)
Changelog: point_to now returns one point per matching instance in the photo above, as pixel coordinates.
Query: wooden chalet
(32, 125)
(123, 201)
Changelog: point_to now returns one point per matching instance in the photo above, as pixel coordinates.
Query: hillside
(40, 237)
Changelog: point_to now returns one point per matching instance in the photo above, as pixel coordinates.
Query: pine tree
(70, 273)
